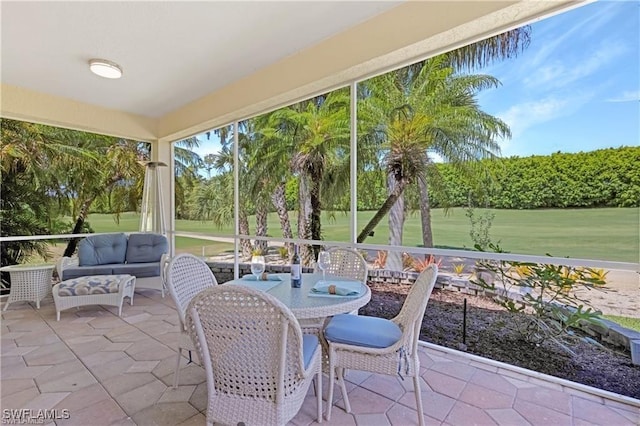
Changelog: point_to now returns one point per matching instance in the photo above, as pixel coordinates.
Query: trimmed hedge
(603, 178)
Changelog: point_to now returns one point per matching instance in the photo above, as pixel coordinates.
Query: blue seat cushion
(309, 346)
(102, 249)
(83, 271)
(370, 332)
(140, 270)
(146, 247)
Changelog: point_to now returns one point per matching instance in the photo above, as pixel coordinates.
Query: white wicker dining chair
(347, 263)
(379, 345)
(259, 365)
(185, 276)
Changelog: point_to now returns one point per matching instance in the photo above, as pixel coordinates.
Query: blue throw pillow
(370, 332)
(146, 247)
(102, 249)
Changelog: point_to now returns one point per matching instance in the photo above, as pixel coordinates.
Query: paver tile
(363, 401)
(197, 420)
(103, 413)
(308, 413)
(83, 398)
(123, 383)
(434, 404)
(170, 413)
(20, 398)
(199, 398)
(537, 415)
(52, 354)
(68, 383)
(372, 420)
(465, 414)
(596, 412)
(454, 369)
(11, 386)
(507, 417)
(46, 401)
(484, 398)
(404, 416)
(387, 386)
(37, 338)
(179, 394)
(113, 368)
(142, 397)
(142, 367)
(493, 381)
(547, 398)
(444, 384)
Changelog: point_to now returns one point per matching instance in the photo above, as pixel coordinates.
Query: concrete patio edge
(534, 374)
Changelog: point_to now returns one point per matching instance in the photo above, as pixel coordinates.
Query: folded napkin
(264, 277)
(338, 288)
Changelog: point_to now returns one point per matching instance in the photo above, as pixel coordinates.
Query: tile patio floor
(108, 370)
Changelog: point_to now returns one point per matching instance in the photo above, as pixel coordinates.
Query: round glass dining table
(302, 303)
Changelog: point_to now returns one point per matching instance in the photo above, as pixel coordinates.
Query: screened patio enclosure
(185, 81)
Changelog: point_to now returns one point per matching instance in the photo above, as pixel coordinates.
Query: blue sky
(577, 86)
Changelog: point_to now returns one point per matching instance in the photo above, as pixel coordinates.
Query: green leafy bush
(548, 295)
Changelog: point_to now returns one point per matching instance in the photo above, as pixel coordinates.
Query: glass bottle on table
(296, 270)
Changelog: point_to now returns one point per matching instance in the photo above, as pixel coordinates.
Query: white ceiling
(171, 52)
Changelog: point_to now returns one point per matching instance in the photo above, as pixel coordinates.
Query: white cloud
(627, 96)
(557, 74)
(567, 29)
(525, 115)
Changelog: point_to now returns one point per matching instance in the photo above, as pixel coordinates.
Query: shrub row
(603, 178)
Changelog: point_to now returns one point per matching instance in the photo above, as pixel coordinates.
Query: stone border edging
(534, 374)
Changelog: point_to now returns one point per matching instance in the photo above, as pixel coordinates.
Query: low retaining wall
(607, 331)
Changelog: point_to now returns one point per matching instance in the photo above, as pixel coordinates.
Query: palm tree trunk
(382, 211)
(396, 225)
(280, 203)
(425, 213)
(316, 210)
(243, 228)
(77, 228)
(261, 226)
(304, 216)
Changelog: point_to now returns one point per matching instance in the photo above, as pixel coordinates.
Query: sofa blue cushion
(83, 271)
(146, 247)
(357, 330)
(140, 270)
(309, 346)
(102, 249)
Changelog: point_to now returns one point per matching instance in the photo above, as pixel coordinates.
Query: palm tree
(479, 54)
(118, 162)
(316, 131)
(420, 111)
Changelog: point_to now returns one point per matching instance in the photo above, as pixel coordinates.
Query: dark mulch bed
(491, 333)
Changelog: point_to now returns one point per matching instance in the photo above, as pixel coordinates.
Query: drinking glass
(257, 266)
(324, 261)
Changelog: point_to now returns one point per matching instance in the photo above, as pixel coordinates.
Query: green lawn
(605, 234)
(630, 323)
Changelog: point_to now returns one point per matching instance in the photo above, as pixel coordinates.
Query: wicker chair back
(251, 347)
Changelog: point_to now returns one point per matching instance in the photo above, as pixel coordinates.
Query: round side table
(29, 283)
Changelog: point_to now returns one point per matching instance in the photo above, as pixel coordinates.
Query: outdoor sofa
(139, 254)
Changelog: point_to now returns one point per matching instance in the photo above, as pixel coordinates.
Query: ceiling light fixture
(104, 68)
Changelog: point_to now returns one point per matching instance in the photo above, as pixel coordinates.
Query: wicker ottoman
(94, 290)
